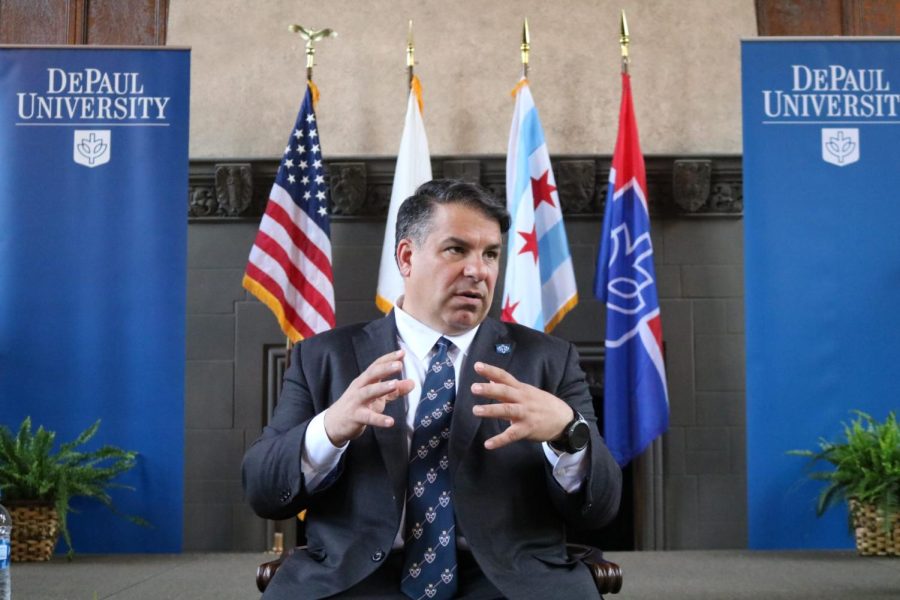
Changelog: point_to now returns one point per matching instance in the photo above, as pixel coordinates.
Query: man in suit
(439, 453)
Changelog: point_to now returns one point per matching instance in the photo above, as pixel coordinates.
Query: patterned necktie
(429, 565)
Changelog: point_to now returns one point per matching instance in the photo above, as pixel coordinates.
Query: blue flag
(636, 403)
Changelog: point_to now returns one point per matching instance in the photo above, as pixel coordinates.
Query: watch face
(579, 435)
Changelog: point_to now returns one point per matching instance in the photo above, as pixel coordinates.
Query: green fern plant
(31, 471)
(866, 465)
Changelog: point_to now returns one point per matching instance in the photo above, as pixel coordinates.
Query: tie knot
(443, 345)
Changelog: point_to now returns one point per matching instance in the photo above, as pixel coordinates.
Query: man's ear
(404, 256)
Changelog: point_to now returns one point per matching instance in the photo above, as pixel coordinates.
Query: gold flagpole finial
(410, 52)
(525, 48)
(311, 36)
(624, 38)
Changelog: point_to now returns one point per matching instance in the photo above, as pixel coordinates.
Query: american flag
(290, 263)
(635, 396)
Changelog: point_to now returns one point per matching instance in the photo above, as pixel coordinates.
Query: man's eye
(492, 255)
(455, 250)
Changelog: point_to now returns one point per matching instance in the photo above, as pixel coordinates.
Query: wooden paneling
(799, 17)
(96, 22)
(828, 17)
(872, 17)
(38, 21)
(125, 22)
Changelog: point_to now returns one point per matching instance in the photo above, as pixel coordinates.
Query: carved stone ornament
(576, 184)
(202, 202)
(466, 170)
(691, 183)
(234, 188)
(348, 188)
(725, 200)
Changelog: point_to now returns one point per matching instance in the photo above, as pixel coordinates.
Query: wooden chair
(607, 575)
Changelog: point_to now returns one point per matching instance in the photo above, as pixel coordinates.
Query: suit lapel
(492, 345)
(375, 340)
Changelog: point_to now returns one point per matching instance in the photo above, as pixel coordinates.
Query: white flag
(539, 288)
(413, 169)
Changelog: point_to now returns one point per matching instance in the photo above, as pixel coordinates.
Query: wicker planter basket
(35, 530)
(872, 539)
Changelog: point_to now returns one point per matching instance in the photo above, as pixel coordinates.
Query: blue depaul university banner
(93, 234)
(822, 257)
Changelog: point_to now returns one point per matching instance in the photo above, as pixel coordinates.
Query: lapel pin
(502, 348)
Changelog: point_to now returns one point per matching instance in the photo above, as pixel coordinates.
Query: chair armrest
(607, 575)
(266, 571)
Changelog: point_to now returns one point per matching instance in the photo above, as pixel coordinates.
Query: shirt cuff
(319, 456)
(569, 470)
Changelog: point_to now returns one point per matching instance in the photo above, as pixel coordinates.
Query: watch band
(574, 437)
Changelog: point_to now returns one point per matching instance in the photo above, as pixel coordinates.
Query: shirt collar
(420, 338)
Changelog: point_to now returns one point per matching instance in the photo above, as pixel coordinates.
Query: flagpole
(525, 48)
(311, 36)
(410, 55)
(623, 41)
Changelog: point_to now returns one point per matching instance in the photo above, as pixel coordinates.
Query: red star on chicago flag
(531, 244)
(508, 310)
(541, 190)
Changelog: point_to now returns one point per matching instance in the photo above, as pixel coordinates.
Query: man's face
(449, 278)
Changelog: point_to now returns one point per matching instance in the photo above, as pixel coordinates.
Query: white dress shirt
(319, 456)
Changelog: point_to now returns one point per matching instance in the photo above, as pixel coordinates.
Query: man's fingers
(495, 374)
(496, 391)
(508, 436)
(403, 387)
(367, 416)
(508, 412)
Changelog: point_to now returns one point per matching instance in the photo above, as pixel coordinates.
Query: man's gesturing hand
(533, 413)
(364, 400)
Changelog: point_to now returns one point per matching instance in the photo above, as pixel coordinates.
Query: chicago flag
(539, 288)
(636, 403)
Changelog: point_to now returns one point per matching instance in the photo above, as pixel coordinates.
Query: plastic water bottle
(5, 549)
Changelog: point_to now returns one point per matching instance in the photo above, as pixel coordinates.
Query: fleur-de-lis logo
(430, 514)
(91, 147)
(419, 489)
(431, 476)
(840, 146)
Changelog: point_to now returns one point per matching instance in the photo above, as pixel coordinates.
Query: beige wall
(248, 71)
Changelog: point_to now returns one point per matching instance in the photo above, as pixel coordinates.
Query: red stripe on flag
(313, 253)
(309, 292)
(655, 325)
(273, 288)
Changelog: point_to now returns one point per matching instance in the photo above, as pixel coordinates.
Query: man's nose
(476, 268)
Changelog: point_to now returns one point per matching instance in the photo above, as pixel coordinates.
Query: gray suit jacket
(508, 506)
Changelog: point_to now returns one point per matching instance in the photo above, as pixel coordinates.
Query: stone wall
(233, 340)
